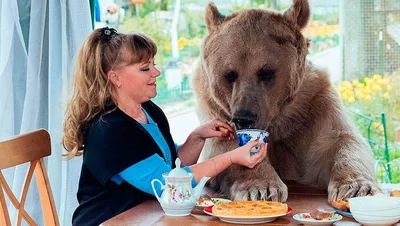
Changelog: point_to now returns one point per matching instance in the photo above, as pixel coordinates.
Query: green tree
(164, 5)
(148, 7)
(196, 27)
(271, 4)
(156, 30)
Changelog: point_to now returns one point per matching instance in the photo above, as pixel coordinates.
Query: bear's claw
(339, 190)
(259, 189)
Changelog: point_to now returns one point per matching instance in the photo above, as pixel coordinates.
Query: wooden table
(301, 199)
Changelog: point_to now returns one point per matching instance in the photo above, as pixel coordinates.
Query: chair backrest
(31, 147)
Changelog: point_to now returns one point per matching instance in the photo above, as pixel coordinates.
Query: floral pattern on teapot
(178, 193)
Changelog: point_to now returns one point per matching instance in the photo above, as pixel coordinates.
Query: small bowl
(246, 135)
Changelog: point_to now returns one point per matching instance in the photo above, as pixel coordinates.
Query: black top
(114, 142)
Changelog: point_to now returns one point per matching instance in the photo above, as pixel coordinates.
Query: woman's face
(138, 81)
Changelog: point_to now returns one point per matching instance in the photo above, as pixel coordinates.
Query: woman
(123, 136)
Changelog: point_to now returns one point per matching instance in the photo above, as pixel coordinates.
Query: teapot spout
(197, 190)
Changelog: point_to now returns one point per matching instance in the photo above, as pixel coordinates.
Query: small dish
(344, 213)
(211, 203)
(245, 220)
(306, 219)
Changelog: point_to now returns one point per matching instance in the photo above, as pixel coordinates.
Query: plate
(214, 200)
(246, 220)
(344, 213)
(307, 221)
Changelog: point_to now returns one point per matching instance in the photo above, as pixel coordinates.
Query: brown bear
(253, 72)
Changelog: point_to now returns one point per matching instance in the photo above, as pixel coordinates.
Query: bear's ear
(213, 17)
(299, 13)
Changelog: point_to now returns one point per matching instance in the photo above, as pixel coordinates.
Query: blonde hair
(92, 89)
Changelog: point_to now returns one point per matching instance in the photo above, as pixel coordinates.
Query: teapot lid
(178, 171)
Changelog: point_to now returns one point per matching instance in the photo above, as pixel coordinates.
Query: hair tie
(107, 33)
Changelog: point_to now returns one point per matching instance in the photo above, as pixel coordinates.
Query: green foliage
(191, 51)
(165, 95)
(375, 137)
(263, 4)
(369, 97)
(148, 7)
(373, 95)
(164, 5)
(283, 6)
(394, 162)
(196, 27)
(155, 29)
(329, 18)
(396, 177)
(319, 44)
(266, 3)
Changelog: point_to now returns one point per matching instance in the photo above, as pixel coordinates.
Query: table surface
(301, 199)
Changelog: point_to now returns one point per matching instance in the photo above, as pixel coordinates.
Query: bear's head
(253, 61)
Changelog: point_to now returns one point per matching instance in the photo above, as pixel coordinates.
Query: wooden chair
(31, 147)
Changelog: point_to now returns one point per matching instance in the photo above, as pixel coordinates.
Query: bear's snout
(244, 119)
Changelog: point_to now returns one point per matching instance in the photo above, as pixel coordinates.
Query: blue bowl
(246, 135)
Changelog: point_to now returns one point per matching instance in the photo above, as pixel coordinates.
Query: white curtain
(38, 42)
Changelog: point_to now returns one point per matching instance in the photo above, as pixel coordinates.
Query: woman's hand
(189, 152)
(214, 128)
(241, 155)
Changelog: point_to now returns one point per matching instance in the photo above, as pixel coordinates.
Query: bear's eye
(230, 76)
(266, 74)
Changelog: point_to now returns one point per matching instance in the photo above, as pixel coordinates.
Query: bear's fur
(253, 70)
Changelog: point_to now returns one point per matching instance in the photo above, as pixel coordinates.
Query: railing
(382, 165)
(183, 92)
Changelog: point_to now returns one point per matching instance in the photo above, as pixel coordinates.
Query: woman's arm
(189, 151)
(142, 173)
(241, 156)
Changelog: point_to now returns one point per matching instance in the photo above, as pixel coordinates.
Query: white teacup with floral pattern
(246, 135)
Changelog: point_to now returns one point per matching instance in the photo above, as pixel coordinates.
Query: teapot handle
(154, 190)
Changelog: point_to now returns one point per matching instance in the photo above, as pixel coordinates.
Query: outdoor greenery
(188, 42)
(372, 96)
(156, 30)
(329, 18)
(261, 4)
(322, 36)
(151, 6)
(322, 33)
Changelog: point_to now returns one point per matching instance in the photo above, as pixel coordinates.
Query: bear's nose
(244, 119)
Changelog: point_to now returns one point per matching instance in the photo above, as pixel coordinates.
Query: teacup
(246, 135)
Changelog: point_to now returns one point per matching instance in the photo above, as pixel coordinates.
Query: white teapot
(178, 197)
